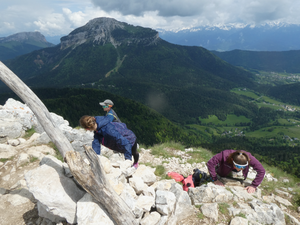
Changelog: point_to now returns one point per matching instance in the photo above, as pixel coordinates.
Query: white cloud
(60, 17)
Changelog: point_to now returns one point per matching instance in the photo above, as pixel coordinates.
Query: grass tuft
(223, 208)
(160, 170)
(29, 133)
(6, 159)
(57, 153)
(165, 150)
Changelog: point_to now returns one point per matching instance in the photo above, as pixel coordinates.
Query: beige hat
(106, 103)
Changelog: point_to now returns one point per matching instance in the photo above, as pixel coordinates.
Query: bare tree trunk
(37, 107)
(90, 174)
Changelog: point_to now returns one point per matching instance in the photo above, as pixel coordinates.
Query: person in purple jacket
(227, 161)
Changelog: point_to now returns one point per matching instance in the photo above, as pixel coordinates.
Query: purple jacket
(224, 169)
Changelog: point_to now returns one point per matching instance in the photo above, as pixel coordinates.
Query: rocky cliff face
(108, 30)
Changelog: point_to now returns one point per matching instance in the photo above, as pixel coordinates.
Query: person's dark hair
(87, 122)
(238, 157)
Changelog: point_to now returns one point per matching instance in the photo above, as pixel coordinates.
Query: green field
(240, 125)
(276, 107)
(230, 127)
(269, 132)
(247, 93)
(209, 131)
(263, 101)
(231, 120)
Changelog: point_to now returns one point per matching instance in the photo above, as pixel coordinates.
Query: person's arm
(96, 144)
(260, 170)
(211, 165)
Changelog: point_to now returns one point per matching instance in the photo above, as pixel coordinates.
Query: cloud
(166, 8)
(60, 17)
(206, 12)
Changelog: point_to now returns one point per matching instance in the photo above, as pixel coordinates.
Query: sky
(60, 17)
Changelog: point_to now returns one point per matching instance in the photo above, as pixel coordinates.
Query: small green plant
(296, 200)
(200, 155)
(287, 219)
(6, 159)
(242, 215)
(198, 206)
(200, 216)
(29, 133)
(160, 170)
(57, 153)
(166, 149)
(223, 208)
(33, 159)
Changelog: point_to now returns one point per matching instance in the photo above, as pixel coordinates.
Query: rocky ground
(18, 205)
(211, 204)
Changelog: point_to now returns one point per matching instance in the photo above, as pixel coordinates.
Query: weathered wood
(90, 174)
(37, 107)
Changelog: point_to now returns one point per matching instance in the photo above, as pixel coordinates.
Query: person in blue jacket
(113, 135)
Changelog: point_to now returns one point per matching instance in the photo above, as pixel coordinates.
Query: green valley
(166, 92)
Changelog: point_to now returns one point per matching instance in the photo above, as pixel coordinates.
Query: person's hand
(217, 182)
(250, 189)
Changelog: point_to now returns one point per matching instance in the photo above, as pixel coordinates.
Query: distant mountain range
(21, 43)
(180, 82)
(285, 61)
(269, 37)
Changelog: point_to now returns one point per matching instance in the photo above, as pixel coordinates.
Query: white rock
(239, 221)
(89, 212)
(165, 202)
(283, 201)
(10, 128)
(23, 159)
(146, 173)
(105, 162)
(7, 151)
(151, 219)
(50, 187)
(210, 210)
(13, 142)
(138, 184)
(129, 196)
(18, 197)
(145, 202)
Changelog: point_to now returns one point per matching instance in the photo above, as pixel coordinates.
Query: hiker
(107, 107)
(227, 161)
(113, 135)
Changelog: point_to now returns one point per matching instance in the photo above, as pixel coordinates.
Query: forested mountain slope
(134, 62)
(149, 126)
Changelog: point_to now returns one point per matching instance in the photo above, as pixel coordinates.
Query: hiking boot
(135, 165)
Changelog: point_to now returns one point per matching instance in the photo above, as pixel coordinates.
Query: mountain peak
(24, 36)
(107, 30)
